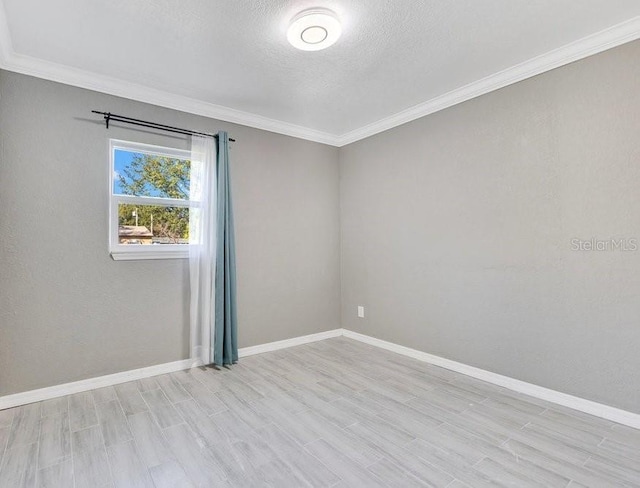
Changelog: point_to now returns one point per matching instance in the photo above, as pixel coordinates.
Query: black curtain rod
(109, 117)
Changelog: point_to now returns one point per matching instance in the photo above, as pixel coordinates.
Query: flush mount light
(314, 29)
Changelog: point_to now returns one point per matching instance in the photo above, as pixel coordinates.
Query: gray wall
(456, 231)
(455, 228)
(68, 311)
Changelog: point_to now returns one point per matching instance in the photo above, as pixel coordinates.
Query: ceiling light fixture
(314, 29)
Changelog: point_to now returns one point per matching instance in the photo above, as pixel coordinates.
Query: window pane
(152, 224)
(150, 175)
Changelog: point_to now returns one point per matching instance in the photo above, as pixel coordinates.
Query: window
(149, 201)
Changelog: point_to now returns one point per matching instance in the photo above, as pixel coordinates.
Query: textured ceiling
(393, 54)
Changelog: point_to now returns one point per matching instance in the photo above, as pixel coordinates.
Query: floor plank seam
(389, 420)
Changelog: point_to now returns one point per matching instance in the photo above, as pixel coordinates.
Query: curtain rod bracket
(108, 116)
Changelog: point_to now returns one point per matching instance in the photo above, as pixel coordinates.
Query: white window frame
(132, 252)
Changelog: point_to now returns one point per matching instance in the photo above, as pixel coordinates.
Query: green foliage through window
(148, 175)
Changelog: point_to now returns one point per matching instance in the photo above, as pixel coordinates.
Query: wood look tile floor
(335, 413)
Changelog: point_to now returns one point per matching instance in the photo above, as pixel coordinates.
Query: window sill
(150, 254)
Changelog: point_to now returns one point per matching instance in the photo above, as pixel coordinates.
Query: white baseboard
(40, 394)
(295, 341)
(56, 391)
(597, 409)
(587, 406)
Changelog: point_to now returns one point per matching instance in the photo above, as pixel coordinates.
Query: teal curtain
(225, 343)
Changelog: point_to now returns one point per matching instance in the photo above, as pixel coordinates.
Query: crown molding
(12, 61)
(611, 37)
(587, 46)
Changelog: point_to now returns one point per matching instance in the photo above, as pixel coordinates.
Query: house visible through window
(149, 201)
